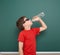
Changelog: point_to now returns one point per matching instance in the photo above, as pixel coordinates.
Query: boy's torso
(29, 42)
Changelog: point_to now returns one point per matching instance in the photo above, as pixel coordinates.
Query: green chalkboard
(11, 10)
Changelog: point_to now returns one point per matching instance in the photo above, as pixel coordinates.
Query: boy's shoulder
(23, 31)
(35, 28)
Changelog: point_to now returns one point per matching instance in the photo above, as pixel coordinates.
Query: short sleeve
(21, 37)
(36, 31)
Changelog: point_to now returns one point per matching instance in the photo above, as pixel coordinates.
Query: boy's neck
(27, 28)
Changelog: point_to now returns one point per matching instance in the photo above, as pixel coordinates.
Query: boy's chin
(31, 24)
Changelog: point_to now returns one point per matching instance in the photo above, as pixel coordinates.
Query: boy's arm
(43, 25)
(20, 48)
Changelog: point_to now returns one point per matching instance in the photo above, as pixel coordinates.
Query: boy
(27, 37)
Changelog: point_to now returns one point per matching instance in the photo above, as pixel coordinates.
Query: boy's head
(23, 22)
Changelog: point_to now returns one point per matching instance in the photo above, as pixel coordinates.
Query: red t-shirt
(28, 37)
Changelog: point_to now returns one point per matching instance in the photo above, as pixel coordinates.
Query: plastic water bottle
(42, 14)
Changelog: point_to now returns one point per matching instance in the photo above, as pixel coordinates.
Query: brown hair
(20, 22)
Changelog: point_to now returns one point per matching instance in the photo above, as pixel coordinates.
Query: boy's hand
(36, 18)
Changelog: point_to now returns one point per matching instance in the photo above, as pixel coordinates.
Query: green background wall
(11, 10)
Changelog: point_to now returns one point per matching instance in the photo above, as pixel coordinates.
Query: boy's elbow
(45, 27)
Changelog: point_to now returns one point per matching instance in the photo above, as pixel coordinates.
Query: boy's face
(27, 22)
